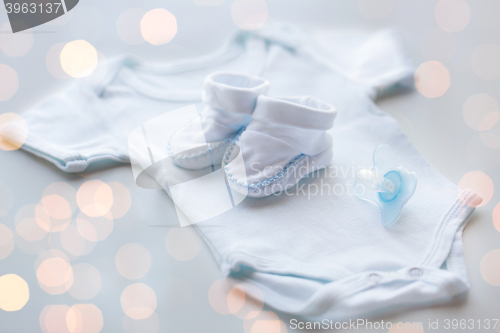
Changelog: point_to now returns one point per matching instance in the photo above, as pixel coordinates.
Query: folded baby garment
(230, 99)
(285, 141)
(316, 251)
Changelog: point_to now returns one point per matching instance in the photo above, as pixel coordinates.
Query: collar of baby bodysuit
(133, 70)
(253, 44)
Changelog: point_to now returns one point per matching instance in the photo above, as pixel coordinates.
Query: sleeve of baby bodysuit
(377, 60)
(72, 129)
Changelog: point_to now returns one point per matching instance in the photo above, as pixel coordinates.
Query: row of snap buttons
(413, 272)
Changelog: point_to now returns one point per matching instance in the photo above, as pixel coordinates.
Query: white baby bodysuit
(317, 251)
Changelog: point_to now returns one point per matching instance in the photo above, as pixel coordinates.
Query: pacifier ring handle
(387, 184)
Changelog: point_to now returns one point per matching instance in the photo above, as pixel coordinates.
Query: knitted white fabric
(230, 100)
(285, 141)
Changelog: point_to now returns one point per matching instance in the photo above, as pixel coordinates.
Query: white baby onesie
(317, 251)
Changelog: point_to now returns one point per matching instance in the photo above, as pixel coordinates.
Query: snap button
(415, 272)
(374, 277)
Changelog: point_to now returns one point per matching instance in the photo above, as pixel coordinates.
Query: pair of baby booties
(264, 144)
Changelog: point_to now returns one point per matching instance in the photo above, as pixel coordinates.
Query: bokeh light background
(94, 253)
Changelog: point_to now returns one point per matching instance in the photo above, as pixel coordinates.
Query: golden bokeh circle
(56, 274)
(84, 318)
(53, 319)
(490, 267)
(138, 301)
(263, 321)
(452, 15)
(95, 198)
(13, 128)
(158, 26)
(249, 14)
(432, 79)
(480, 183)
(14, 292)
(78, 58)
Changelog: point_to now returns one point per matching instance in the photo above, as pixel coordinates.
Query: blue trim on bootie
(279, 178)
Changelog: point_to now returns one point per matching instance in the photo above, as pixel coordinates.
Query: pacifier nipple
(374, 182)
(387, 184)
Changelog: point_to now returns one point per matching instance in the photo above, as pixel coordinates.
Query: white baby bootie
(230, 99)
(285, 141)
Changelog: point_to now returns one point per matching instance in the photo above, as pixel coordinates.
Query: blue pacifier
(387, 184)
